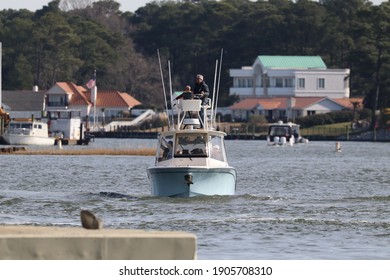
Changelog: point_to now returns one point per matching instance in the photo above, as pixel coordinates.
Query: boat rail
(189, 114)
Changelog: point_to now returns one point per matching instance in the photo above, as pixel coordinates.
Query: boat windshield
(217, 148)
(295, 130)
(165, 150)
(191, 145)
(280, 131)
(21, 125)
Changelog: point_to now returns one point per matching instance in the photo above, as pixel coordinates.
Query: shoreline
(82, 152)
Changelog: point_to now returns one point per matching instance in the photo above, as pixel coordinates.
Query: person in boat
(168, 151)
(201, 91)
(186, 94)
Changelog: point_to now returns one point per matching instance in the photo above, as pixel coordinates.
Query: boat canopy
(286, 129)
(190, 145)
(25, 125)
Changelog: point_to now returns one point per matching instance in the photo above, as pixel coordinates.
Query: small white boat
(27, 133)
(191, 161)
(284, 134)
(191, 156)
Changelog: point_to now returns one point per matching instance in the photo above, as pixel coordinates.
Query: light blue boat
(191, 158)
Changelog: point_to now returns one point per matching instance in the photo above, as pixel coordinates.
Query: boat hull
(192, 181)
(27, 140)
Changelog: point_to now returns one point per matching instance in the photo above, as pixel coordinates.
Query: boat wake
(117, 195)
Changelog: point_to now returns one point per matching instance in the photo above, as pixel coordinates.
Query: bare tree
(67, 5)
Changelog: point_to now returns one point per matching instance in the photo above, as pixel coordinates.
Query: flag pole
(94, 96)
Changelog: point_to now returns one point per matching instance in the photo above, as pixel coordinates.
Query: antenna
(165, 95)
(214, 93)
(214, 114)
(170, 89)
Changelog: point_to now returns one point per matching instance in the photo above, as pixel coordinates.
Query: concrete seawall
(60, 243)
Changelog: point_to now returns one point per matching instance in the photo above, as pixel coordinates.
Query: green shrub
(257, 120)
(332, 117)
(341, 116)
(365, 114)
(313, 120)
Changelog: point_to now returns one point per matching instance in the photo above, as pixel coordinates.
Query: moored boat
(29, 132)
(284, 134)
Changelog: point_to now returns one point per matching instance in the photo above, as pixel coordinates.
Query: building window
(283, 82)
(301, 82)
(310, 113)
(288, 82)
(321, 83)
(278, 82)
(245, 82)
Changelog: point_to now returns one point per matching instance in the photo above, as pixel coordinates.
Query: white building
(286, 87)
(296, 76)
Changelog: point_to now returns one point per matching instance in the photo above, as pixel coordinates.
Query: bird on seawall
(89, 220)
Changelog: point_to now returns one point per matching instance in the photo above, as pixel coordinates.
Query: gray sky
(126, 5)
(33, 5)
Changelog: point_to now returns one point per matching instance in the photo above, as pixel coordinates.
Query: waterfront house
(67, 95)
(289, 108)
(23, 104)
(109, 103)
(285, 87)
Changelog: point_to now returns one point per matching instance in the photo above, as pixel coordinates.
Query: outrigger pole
(165, 95)
(170, 89)
(219, 80)
(216, 95)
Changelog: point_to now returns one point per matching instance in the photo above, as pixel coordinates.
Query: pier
(9, 150)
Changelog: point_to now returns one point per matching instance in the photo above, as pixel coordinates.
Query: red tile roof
(105, 98)
(348, 102)
(112, 98)
(303, 102)
(77, 93)
(271, 103)
(246, 104)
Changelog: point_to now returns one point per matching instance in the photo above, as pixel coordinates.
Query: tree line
(67, 40)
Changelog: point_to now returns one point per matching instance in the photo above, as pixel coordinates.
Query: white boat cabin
(191, 144)
(284, 133)
(28, 128)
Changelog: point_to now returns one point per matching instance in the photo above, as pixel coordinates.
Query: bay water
(302, 202)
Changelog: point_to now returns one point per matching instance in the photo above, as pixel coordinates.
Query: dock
(73, 243)
(9, 150)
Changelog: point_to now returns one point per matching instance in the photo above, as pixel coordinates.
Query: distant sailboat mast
(91, 84)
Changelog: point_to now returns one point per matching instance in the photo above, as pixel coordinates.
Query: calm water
(301, 202)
